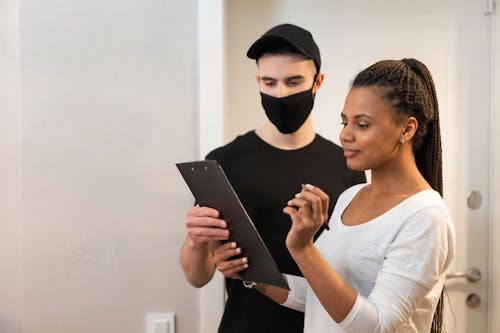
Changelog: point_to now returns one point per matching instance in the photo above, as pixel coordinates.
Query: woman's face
(370, 135)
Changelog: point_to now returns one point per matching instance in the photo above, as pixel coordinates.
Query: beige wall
(108, 106)
(10, 170)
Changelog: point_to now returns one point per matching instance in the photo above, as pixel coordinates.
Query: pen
(325, 224)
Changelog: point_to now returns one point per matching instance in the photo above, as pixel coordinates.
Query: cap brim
(263, 44)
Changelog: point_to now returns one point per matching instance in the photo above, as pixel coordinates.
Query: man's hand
(203, 226)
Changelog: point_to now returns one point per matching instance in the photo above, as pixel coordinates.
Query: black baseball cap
(290, 34)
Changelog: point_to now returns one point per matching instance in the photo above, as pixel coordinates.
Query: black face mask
(290, 112)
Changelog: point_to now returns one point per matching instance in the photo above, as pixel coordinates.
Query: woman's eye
(363, 125)
(343, 124)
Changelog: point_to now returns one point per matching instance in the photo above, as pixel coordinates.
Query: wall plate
(160, 323)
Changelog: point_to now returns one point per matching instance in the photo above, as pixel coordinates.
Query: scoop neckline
(387, 212)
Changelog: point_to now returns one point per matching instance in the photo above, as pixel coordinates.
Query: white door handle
(472, 275)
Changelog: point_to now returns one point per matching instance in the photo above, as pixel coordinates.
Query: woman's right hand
(308, 211)
(230, 268)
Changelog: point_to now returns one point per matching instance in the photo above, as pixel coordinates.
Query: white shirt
(396, 262)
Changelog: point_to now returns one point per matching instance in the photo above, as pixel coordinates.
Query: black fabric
(265, 178)
(290, 34)
(288, 113)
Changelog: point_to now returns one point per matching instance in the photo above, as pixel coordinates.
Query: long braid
(430, 152)
(408, 85)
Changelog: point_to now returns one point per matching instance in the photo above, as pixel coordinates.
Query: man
(266, 168)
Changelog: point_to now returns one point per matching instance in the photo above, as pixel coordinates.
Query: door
(453, 38)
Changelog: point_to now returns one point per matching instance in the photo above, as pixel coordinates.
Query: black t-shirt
(265, 178)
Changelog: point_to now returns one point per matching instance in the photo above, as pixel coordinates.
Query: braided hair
(409, 88)
(407, 85)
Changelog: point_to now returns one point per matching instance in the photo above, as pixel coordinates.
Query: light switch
(160, 323)
(160, 326)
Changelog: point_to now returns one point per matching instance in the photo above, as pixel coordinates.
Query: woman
(381, 267)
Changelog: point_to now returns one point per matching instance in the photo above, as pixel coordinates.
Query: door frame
(211, 51)
(494, 288)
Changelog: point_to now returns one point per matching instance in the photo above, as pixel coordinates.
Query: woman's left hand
(308, 211)
(225, 262)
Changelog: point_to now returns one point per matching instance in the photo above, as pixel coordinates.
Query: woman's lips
(348, 153)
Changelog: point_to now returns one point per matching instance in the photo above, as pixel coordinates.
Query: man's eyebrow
(267, 78)
(295, 77)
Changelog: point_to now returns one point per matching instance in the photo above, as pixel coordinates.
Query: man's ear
(257, 78)
(319, 81)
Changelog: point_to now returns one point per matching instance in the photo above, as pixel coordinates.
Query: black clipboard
(210, 187)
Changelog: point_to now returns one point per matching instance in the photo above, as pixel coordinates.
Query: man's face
(283, 75)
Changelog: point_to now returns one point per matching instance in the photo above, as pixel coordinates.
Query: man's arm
(204, 230)
(197, 263)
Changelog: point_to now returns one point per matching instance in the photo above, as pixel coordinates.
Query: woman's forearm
(335, 294)
(277, 294)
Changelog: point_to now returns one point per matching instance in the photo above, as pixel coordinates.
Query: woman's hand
(308, 211)
(229, 268)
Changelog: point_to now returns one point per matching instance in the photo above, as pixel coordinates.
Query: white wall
(246, 20)
(109, 99)
(10, 170)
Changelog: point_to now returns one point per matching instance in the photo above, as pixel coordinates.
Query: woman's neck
(399, 178)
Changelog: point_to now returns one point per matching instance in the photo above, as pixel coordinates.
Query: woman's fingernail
(238, 250)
